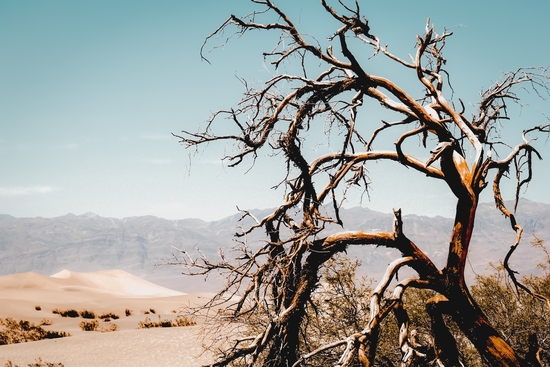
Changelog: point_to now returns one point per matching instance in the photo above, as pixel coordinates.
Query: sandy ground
(101, 292)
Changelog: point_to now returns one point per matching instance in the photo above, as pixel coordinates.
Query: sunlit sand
(112, 291)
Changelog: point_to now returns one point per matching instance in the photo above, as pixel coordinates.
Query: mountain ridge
(89, 242)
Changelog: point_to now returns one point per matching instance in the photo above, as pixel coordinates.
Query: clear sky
(91, 90)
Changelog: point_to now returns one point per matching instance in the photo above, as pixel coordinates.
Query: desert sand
(102, 292)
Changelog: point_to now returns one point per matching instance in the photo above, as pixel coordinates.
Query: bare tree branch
(270, 284)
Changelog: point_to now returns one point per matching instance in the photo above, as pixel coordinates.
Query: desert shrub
(37, 308)
(94, 326)
(152, 310)
(146, 324)
(89, 325)
(38, 363)
(111, 327)
(184, 321)
(65, 313)
(179, 322)
(109, 315)
(25, 331)
(128, 312)
(46, 322)
(52, 334)
(87, 314)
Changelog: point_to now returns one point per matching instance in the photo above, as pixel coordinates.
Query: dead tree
(276, 279)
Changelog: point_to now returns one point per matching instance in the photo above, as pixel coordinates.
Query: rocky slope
(139, 244)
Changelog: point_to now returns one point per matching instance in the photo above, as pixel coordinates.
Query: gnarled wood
(274, 281)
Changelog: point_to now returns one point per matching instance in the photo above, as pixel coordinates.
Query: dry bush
(94, 326)
(89, 325)
(128, 312)
(178, 322)
(46, 322)
(109, 315)
(24, 331)
(183, 321)
(37, 308)
(87, 314)
(38, 363)
(111, 327)
(65, 313)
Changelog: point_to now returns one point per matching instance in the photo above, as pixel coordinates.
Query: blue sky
(91, 90)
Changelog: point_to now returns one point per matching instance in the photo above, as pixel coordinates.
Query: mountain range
(143, 245)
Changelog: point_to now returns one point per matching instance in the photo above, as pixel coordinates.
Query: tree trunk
(473, 323)
(463, 308)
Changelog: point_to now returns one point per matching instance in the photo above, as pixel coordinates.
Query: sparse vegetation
(38, 363)
(152, 310)
(178, 322)
(111, 327)
(46, 322)
(89, 325)
(94, 326)
(86, 314)
(183, 321)
(128, 312)
(37, 308)
(109, 315)
(25, 331)
(66, 313)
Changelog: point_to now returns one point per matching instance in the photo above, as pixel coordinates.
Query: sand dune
(104, 291)
(116, 281)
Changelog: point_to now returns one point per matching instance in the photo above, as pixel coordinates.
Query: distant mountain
(137, 245)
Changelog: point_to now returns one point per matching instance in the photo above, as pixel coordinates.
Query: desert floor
(101, 292)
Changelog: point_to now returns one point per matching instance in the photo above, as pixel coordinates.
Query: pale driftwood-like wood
(274, 281)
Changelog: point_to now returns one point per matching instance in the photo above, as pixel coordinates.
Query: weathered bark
(473, 323)
(461, 306)
(278, 278)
